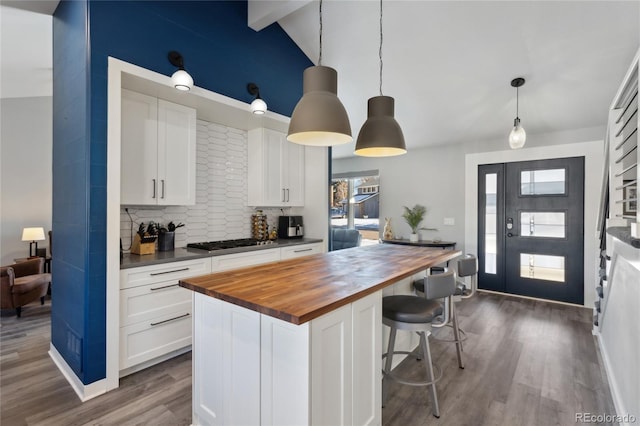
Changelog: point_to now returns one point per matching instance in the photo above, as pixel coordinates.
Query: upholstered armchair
(345, 238)
(23, 283)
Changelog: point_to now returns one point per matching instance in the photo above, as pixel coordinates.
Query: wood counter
(299, 290)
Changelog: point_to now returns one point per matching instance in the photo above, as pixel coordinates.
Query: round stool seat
(410, 309)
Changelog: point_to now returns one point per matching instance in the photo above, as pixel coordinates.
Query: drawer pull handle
(170, 319)
(168, 272)
(164, 286)
(300, 251)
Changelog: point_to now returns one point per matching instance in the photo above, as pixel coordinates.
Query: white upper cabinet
(158, 158)
(276, 170)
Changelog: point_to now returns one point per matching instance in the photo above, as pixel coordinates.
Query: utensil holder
(166, 241)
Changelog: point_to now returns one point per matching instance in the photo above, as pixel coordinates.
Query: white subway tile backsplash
(221, 210)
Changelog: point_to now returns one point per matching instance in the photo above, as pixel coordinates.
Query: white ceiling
(26, 46)
(448, 64)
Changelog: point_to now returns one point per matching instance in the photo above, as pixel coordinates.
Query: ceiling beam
(263, 13)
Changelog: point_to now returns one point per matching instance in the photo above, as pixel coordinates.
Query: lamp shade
(319, 118)
(33, 234)
(380, 135)
(518, 136)
(258, 106)
(182, 80)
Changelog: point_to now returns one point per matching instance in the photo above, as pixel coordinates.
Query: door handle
(154, 188)
(287, 195)
(162, 181)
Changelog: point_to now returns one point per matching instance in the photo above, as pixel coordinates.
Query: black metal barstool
(417, 314)
(466, 267)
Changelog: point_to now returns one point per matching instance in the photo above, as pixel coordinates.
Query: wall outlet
(449, 221)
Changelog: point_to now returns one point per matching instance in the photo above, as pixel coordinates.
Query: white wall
(620, 328)
(435, 177)
(316, 194)
(25, 172)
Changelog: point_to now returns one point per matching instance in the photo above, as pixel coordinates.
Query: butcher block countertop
(299, 290)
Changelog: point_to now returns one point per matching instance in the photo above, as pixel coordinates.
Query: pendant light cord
(517, 104)
(320, 13)
(380, 49)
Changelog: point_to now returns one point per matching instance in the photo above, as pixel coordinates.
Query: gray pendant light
(380, 135)
(319, 118)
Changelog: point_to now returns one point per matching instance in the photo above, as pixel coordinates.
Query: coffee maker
(290, 227)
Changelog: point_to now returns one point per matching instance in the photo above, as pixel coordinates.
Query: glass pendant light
(518, 136)
(319, 118)
(258, 105)
(181, 79)
(380, 135)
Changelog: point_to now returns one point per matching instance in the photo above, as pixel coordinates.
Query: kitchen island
(297, 341)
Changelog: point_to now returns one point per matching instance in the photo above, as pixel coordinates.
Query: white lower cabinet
(366, 316)
(155, 313)
(323, 372)
(226, 369)
(284, 373)
(300, 251)
(241, 260)
(148, 340)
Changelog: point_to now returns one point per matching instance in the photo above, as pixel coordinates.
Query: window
(355, 204)
(542, 267)
(542, 224)
(542, 182)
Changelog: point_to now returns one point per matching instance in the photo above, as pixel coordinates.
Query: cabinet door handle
(299, 251)
(162, 181)
(154, 188)
(170, 319)
(287, 195)
(168, 272)
(163, 287)
(283, 198)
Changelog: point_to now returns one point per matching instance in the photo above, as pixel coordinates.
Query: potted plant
(413, 217)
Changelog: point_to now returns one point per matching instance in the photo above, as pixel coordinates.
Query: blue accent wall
(71, 174)
(221, 53)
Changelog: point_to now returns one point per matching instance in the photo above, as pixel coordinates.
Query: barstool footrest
(396, 378)
(463, 336)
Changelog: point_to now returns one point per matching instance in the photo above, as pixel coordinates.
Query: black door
(531, 228)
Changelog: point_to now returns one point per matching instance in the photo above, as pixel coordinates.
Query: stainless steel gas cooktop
(227, 244)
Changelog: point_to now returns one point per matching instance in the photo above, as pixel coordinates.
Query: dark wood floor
(527, 363)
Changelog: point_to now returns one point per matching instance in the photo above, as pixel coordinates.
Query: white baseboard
(84, 392)
(151, 362)
(613, 384)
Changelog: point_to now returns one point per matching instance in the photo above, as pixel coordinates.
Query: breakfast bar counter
(297, 341)
(299, 290)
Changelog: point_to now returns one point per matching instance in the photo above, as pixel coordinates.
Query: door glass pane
(542, 182)
(355, 205)
(542, 224)
(491, 221)
(542, 267)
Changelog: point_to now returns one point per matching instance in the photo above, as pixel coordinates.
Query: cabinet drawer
(148, 302)
(240, 260)
(166, 272)
(150, 339)
(300, 251)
